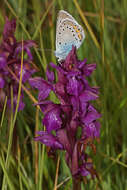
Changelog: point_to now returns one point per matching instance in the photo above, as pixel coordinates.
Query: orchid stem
(76, 184)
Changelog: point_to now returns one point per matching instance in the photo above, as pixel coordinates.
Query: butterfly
(68, 33)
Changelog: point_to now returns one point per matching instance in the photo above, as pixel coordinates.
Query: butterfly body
(68, 33)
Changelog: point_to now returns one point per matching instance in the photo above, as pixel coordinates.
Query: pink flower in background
(10, 57)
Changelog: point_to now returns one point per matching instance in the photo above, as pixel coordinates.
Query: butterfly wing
(63, 15)
(68, 33)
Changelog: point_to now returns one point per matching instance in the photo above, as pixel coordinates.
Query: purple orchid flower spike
(74, 113)
(10, 58)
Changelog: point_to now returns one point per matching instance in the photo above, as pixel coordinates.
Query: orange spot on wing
(79, 36)
(78, 31)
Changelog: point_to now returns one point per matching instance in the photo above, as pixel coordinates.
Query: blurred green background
(105, 25)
